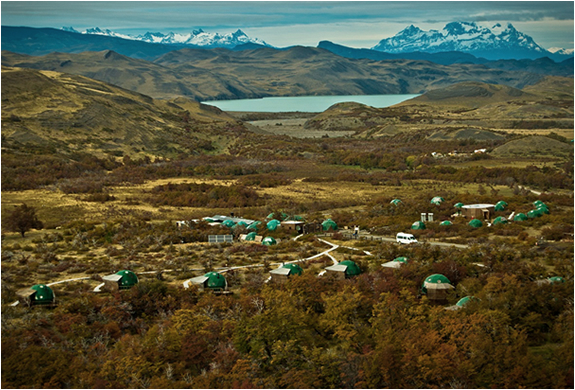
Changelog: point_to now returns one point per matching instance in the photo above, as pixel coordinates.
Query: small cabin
(480, 211)
(293, 226)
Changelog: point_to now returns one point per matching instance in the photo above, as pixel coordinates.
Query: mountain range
(458, 41)
(197, 38)
(493, 43)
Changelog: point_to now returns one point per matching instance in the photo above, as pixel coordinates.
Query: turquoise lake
(305, 103)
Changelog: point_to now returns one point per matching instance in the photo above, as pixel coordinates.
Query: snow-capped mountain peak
(469, 37)
(197, 37)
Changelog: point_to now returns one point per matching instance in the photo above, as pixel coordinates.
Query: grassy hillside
(546, 106)
(67, 113)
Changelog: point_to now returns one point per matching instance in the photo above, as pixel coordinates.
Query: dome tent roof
(251, 236)
(543, 209)
(44, 295)
(269, 241)
(437, 200)
(556, 279)
(446, 223)
(418, 225)
(329, 224)
(128, 280)
(294, 268)
(401, 259)
(500, 206)
(436, 282)
(500, 220)
(228, 223)
(475, 223)
(395, 202)
(534, 214)
(458, 205)
(273, 224)
(215, 281)
(465, 300)
(254, 225)
(520, 217)
(352, 268)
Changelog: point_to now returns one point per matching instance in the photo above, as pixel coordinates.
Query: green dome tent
(128, 280)
(534, 214)
(500, 220)
(269, 241)
(44, 295)
(254, 225)
(458, 205)
(435, 282)
(538, 203)
(241, 224)
(395, 202)
(556, 279)
(475, 223)
(418, 225)
(500, 206)
(352, 268)
(270, 216)
(273, 224)
(543, 209)
(251, 236)
(396, 263)
(229, 223)
(216, 281)
(437, 200)
(294, 268)
(329, 224)
(520, 217)
(465, 300)
(446, 223)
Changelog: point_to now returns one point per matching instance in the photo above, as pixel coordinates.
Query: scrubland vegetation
(376, 330)
(101, 202)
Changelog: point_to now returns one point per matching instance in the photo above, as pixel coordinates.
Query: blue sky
(360, 24)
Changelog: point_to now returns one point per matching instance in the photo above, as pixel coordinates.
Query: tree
(24, 218)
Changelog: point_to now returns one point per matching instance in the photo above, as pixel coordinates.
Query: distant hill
(42, 41)
(470, 94)
(463, 110)
(543, 65)
(218, 74)
(534, 146)
(66, 113)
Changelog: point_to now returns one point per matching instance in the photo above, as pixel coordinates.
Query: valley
(109, 165)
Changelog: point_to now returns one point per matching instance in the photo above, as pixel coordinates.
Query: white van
(405, 238)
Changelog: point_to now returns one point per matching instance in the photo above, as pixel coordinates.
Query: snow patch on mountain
(560, 50)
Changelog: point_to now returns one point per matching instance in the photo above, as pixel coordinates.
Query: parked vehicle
(405, 238)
